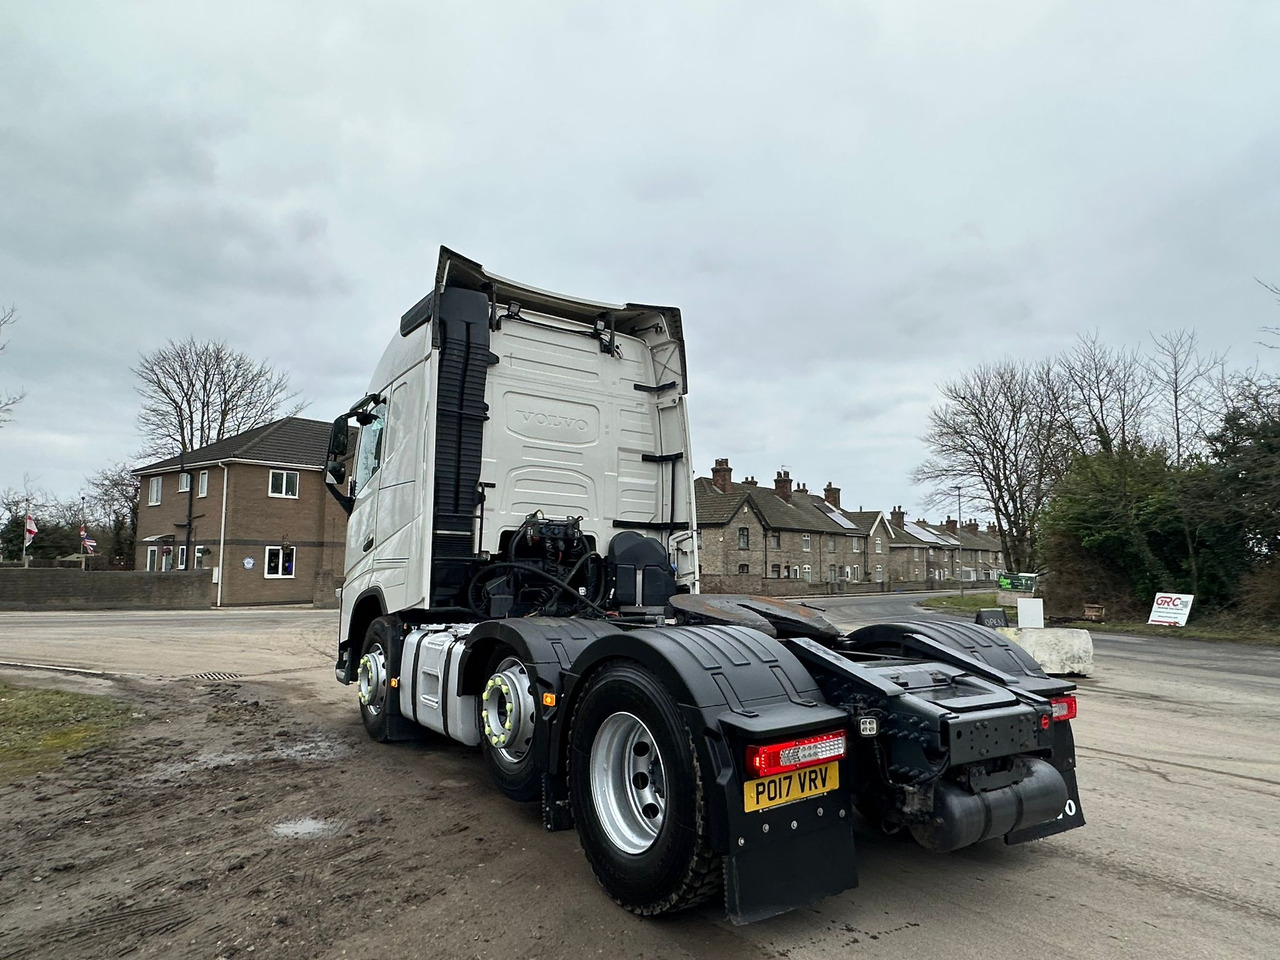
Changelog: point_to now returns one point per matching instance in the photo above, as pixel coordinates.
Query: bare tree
(1104, 395)
(111, 500)
(196, 393)
(8, 401)
(1182, 379)
(999, 438)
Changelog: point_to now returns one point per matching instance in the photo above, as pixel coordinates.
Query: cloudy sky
(848, 200)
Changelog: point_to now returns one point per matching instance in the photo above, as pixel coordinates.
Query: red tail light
(1064, 708)
(794, 754)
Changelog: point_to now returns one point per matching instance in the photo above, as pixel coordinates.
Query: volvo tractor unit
(522, 577)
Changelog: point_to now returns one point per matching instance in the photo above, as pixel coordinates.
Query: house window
(153, 555)
(744, 568)
(182, 550)
(915, 571)
(831, 544)
(284, 483)
(915, 553)
(699, 539)
(153, 491)
(744, 538)
(857, 572)
(831, 573)
(199, 558)
(805, 541)
(808, 573)
(202, 488)
(775, 571)
(879, 573)
(879, 546)
(775, 539)
(931, 553)
(795, 573)
(279, 562)
(848, 573)
(184, 482)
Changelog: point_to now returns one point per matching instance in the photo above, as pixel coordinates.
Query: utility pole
(83, 532)
(960, 549)
(26, 514)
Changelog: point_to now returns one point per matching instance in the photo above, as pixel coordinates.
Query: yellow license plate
(783, 788)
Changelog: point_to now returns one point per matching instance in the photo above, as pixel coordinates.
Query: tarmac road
(1179, 746)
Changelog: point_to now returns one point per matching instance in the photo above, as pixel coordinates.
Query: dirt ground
(251, 816)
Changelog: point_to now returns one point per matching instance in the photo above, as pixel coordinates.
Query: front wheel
(637, 793)
(379, 665)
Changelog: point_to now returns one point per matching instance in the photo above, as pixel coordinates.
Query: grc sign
(1171, 609)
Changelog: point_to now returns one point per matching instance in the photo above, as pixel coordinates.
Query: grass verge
(1214, 628)
(39, 727)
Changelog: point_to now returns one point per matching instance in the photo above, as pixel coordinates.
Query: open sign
(1171, 609)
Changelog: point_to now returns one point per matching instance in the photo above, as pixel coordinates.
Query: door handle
(368, 545)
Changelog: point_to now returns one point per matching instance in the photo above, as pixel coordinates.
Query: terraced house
(261, 519)
(782, 539)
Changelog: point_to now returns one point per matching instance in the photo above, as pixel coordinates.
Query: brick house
(925, 552)
(261, 518)
(776, 540)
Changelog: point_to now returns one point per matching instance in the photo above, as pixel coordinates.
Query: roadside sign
(1171, 609)
(1030, 612)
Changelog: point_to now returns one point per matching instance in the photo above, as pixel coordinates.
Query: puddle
(303, 828)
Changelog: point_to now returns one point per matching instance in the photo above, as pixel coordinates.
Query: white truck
(522, 576)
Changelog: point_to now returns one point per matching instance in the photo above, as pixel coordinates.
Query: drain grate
(216, 675)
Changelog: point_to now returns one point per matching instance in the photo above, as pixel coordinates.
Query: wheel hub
(372, 679)
(508, 711)
(628, 783)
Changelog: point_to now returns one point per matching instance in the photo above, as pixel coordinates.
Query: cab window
(369, 455)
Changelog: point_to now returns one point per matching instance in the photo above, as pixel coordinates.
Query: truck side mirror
(335, 472)
(338, 439)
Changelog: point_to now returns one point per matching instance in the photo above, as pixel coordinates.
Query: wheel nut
(794, 824)
(765, 828)
(742, 841)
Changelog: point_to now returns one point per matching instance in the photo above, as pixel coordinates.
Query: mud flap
(767, 876)
(1072, 815)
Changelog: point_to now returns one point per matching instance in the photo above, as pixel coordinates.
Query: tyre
(505, 716)
(637, 792)
(379, 663)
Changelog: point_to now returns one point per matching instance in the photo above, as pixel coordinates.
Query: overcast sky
(849, 201)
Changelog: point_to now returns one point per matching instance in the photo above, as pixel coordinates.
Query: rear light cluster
(1064, 708)
(795, 754)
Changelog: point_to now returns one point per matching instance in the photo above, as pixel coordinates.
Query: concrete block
(1059, 651)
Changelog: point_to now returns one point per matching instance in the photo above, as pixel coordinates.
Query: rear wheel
(506, 717)
(637, 793)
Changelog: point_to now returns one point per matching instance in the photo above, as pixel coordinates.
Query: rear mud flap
(1072, 815)
(767, 876)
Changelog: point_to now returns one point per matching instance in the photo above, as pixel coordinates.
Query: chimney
(897, 517)
(993, 530)
(750, 482)
(831, 495)
(802, 489)
(951, 526)
(782, 485)
(722, 475)
(971, 527)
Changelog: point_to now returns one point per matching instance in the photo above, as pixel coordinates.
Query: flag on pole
(87, 543)
(31, 531)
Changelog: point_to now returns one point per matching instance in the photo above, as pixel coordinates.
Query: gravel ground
(251, 816)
